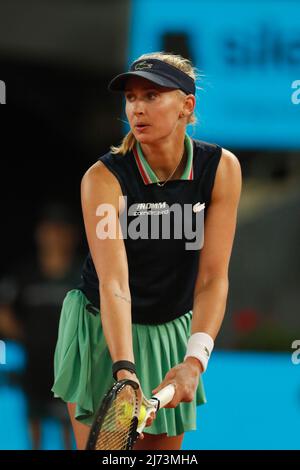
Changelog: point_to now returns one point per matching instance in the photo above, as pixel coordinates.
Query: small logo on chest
(198, 207)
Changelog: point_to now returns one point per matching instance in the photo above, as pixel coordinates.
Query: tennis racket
(120, 420)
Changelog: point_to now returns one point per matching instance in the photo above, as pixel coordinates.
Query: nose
(139, 107)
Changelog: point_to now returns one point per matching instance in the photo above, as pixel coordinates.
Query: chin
(144, 139)
(147, 138)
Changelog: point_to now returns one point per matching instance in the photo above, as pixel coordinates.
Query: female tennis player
(151, 301)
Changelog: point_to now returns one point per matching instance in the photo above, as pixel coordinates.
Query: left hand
(125, 374)
(185, 377)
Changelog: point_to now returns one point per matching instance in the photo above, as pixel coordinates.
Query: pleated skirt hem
(82, 363)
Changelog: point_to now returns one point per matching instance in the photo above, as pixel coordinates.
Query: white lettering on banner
(2, 92)
(296, 354)
(296, 94)
(2, 352)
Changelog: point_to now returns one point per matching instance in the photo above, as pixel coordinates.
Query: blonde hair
(182, 64)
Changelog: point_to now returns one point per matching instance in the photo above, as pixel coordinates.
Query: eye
(152, 95)
(129, 97)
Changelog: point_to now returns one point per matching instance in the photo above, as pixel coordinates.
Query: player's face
(152, 111)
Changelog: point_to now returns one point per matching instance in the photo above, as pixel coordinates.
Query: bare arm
(99, 186)
(211, 288)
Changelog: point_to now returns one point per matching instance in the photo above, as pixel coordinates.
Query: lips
(141, 126)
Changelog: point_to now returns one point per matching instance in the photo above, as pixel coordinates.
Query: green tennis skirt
(82, 363)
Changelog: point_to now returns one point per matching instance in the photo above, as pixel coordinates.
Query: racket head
(115, 424)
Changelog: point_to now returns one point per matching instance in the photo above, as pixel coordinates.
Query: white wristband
(200, 345)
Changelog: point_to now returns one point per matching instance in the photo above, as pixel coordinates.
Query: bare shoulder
(229, 162)
(99, 180)
(228, 180)
(99, 185)
(98, 172)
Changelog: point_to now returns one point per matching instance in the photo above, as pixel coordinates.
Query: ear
(188, 106)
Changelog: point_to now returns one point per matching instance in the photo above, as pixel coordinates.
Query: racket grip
(165, 395)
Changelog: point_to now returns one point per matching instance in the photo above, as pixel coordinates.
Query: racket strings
(119, 423)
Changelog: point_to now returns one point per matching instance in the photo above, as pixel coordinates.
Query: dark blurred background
(56, 58)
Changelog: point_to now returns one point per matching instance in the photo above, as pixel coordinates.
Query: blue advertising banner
(249, 54)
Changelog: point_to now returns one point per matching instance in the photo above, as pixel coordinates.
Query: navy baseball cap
(156, 71)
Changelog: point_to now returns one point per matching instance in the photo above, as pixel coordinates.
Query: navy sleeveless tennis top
(160, 227)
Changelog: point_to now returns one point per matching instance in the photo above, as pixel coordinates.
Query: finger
(162, 385)
(158, 388)
(150, 419)
(172, 404)
(167, 381)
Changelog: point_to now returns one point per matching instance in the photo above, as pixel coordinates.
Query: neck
(164, 155)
